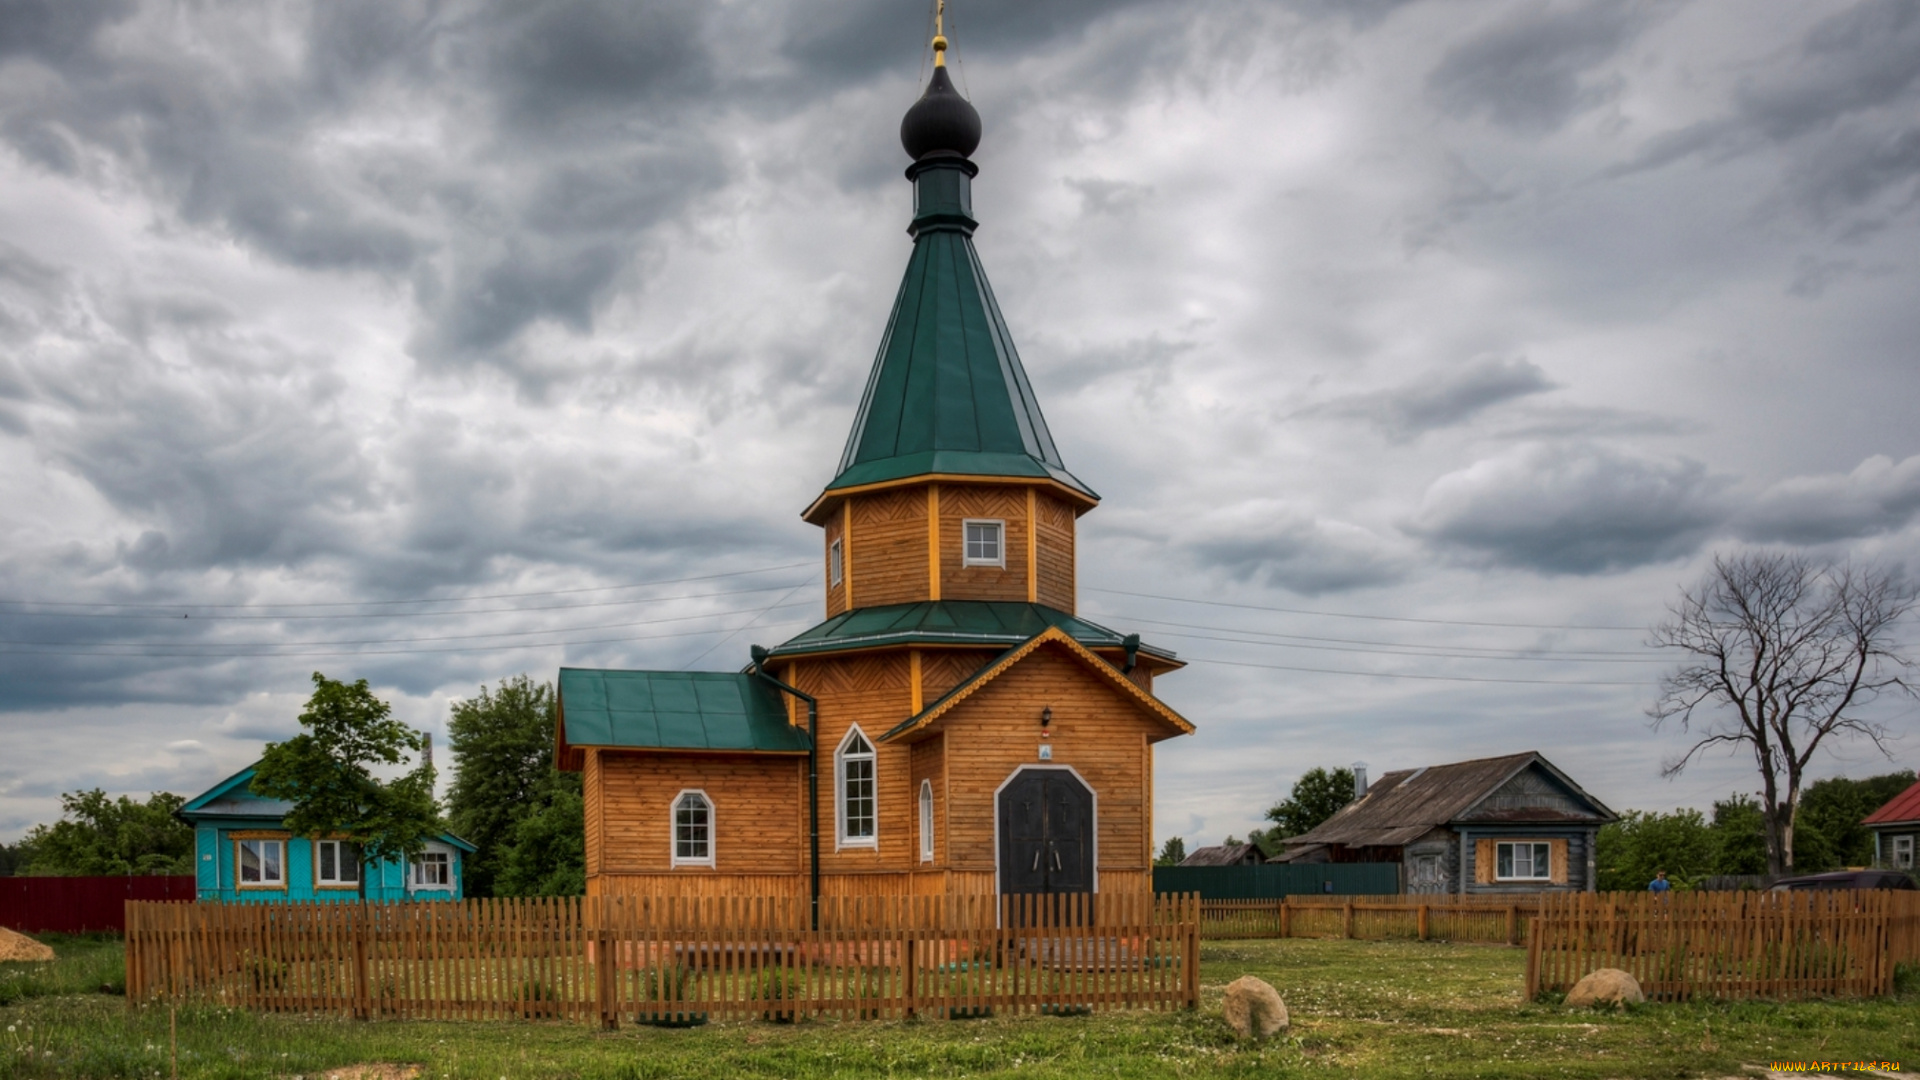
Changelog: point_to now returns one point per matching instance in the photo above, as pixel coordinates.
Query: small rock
(1253, 1008)
(21, 947)
(1606, 986)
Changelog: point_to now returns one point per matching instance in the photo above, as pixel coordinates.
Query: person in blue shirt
(1659, 884)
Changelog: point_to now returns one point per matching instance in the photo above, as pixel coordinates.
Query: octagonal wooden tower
(972, 734)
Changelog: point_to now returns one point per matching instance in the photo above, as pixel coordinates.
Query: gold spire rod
(939, 34)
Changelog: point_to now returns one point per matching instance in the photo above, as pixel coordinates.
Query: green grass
(1361, 1009)
(84, 964)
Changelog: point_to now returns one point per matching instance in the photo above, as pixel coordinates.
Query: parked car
(1846, 879)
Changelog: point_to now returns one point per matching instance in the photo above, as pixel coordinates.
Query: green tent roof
(947, 393)
(949, 622)
(675, 710)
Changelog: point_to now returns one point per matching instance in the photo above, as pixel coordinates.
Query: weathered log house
(972, 735)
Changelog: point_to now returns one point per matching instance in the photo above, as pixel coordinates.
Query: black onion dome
(940, 120)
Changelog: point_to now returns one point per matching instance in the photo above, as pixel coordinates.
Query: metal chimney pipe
(1359, 780)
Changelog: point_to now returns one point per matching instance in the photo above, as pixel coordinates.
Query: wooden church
(953, 726)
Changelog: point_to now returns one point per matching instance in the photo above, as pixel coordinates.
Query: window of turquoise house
(336, 864)
(262, 863)
(433, 870)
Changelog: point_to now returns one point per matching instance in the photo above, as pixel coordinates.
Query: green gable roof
(947, 393)
(949, 622)
(675, 710)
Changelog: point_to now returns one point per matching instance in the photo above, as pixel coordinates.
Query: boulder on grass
(1606, 986)
(21, 947)
(1253, 1008)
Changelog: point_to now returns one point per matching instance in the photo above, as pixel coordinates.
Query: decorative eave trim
(1051, 635)
(823, 506)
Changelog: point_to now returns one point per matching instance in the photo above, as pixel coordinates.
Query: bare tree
(1782, 654)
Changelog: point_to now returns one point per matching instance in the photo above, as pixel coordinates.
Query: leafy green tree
(502, 774)
(1834, 808)
(9, 859)
(1172, 853)
(547, 855)
(326, 772)
(1631, 850)
(1739, 832)
(1316, 796)
(100, 836)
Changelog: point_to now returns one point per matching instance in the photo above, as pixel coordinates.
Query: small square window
(262, 864)
(338, 863)
(835, 563)
(1522, 862)
(432, 870)
(1903, 853)
(984, 543)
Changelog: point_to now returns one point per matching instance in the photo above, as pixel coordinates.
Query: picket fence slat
(672, 959)
(1728, 945)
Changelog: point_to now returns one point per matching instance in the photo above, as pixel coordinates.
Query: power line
(416, 600)
(1431, 655)
(1569, 654)
(392, 641)
(1400, 675)
(404, 652)
(399, 614)
(1353, 615)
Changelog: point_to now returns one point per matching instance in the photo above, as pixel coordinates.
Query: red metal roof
(1902, 807)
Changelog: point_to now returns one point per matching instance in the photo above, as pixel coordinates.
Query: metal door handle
(1036, 858)
(1056, 857)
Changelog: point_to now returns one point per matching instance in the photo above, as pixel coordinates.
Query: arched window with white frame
(855, 804)
(692, 829)
(926, 821)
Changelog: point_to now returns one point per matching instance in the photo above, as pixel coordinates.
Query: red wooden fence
(78, 905)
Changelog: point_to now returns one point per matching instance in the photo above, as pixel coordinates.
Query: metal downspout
(813, 782)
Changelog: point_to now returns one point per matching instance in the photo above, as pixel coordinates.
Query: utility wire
(404, 652)
(1352, 615)
(1430, 655)
(390, 641)
(1402, 675)
(1570, 654)
(396, 614)
(416, 600)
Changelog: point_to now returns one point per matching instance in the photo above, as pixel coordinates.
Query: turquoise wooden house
(244, 853)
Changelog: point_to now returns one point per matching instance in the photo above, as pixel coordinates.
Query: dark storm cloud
(1842, 104)
(1877, 497)
(1580, 509)
(56, 31)
(1273, 545)
(1532, 70)
(1443, 398)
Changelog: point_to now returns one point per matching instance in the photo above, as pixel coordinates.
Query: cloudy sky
(1421, 351)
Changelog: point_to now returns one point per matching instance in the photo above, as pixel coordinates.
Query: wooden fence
(1493, 919)
(1728, 945)
(673, 960)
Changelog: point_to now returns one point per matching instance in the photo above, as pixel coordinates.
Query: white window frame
(673, 829)
(419, 862)
(836, 562)
(1903, 852)
(1538, 868)
(926, 821)
(340, 862)
(279, 861)
(841, 756)
(1000, 529)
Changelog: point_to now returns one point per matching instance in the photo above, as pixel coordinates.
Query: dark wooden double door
(1046, 833)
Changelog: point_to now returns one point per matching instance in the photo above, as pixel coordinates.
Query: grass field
(1361, 1009)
